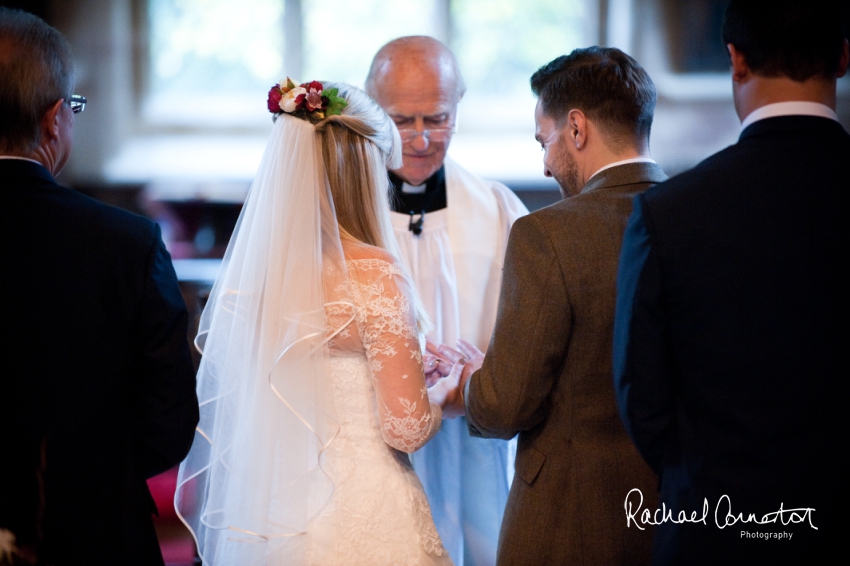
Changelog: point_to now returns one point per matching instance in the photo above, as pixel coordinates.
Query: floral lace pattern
(379, 513)
(386, 327)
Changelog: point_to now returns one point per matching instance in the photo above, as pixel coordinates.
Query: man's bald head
(417, 57)
(416, 80)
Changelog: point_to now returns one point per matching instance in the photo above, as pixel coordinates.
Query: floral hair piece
(308, 101)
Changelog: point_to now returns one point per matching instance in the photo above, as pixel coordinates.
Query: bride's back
(371, 283)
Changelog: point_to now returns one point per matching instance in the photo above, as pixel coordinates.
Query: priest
(452, 228)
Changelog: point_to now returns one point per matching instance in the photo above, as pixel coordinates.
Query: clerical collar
(417, 202)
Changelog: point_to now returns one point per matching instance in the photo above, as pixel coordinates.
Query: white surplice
(456, 263)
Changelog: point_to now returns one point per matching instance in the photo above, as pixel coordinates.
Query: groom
(547, 373)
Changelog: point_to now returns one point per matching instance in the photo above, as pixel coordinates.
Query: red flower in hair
(274, 99)
(308, 101)
(314, 95)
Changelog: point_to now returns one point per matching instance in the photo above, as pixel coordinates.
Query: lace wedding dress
(378, 514)
(311, 387)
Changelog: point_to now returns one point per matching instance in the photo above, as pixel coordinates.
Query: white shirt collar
(795, 108)
(623, 162)
(413, 189)
(21, 158)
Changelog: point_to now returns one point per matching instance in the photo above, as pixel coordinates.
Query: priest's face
(558, 159)
(423, 106)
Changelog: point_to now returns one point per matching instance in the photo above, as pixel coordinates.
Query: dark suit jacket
(98, 393)
(547, 376)
(731, 339)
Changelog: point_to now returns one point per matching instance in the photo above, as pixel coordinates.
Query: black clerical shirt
(434, 197)
(418, 204)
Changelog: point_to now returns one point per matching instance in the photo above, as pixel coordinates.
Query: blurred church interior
(176, 119)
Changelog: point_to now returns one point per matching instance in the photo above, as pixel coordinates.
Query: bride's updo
(358, 147)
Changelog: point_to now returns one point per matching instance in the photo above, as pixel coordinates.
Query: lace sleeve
(388, 331)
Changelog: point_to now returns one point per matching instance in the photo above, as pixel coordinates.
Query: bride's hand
(435, 368)
(447, 392)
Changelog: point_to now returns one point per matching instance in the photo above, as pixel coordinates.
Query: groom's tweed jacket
(547, 375)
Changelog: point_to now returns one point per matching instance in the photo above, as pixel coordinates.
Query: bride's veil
(254, 478)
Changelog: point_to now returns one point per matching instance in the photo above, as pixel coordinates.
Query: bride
(311, 384)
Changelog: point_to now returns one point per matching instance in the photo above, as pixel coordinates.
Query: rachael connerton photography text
(724, 516)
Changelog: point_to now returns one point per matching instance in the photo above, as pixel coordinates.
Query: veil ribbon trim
(255, 471)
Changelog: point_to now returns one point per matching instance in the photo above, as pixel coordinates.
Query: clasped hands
(446, 372)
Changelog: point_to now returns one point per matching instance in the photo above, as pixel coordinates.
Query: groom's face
(558, 160)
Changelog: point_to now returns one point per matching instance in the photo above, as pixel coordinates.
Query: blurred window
(340, 37)
(500, 43)
(213, 61)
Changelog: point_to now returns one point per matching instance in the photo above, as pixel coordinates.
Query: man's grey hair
(36, 70)
(424, 47)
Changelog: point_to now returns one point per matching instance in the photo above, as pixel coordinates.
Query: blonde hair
(358, 147)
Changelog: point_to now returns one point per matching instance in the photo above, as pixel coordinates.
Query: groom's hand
(467, 356)
(473, 355)
(454, 405)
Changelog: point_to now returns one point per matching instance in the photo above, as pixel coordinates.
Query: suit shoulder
(111, 218)
(578, 206)
(546, 216)
(106, 227)
(705, 174)
(533, 226)
(549, 222)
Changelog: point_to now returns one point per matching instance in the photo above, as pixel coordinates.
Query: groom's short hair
(610, 87)
(36, 70)
(798, 39)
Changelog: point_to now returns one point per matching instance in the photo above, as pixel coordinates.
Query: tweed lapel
(628, 174)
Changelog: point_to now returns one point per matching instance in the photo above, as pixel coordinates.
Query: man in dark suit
(547, 373)
(98, 393)
(732, 308)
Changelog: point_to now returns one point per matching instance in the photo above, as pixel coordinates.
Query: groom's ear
(576, 128)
